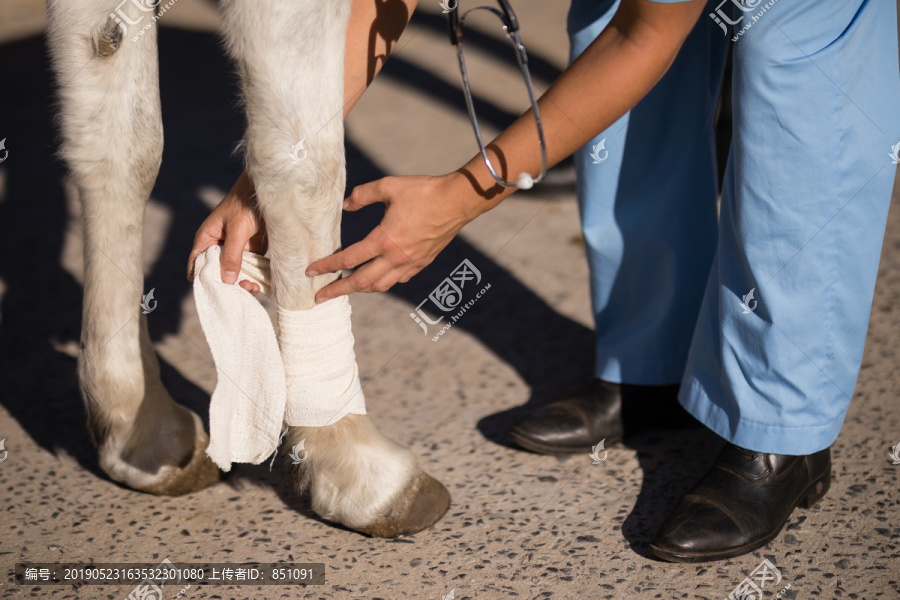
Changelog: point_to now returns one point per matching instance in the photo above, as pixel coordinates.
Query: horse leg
(290, 57)
(112, 143)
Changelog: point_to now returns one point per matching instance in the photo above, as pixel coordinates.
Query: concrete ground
(521, 525)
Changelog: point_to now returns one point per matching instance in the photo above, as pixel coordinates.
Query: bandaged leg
(292, 81)
(322, 389)
(365, 472)
(356, 476)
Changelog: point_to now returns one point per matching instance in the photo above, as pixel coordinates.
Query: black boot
(604, 410)
(741, 504)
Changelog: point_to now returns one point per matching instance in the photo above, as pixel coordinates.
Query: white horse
(290, 55)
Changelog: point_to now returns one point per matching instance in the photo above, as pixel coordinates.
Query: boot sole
(810, 496)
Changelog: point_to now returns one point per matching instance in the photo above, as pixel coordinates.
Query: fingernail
(230, 277)
(346, 204)
(320, 299)
(312, 273)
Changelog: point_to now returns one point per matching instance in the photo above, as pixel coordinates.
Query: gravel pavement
(521, 525)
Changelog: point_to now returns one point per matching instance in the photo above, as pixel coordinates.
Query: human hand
(236, 225)
(422, 215)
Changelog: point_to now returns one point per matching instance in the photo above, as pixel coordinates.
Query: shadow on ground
(41, 307)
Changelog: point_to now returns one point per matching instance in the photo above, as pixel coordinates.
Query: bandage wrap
(319, 364)
(309, 379)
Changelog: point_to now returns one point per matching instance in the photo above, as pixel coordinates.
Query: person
(753, 321)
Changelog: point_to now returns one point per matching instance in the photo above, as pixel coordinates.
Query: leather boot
(604, 410)
(741, 504)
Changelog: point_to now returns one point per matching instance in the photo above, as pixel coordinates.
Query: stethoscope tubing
(510, 27)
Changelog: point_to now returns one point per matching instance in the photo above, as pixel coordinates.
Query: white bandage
(320, 365)
(254, 397)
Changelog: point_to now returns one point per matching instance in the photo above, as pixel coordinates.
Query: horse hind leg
(290, 57)
(112, 142)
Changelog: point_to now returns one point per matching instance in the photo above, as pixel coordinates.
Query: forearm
(372, 33)
(612, 75)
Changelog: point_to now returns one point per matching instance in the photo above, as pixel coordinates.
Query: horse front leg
(112, 142)
(290, 56)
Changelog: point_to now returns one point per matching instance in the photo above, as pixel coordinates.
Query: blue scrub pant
(816, 111)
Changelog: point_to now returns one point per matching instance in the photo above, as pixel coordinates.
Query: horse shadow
(40, 304)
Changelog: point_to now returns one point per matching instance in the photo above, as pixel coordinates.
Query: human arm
(424, 213)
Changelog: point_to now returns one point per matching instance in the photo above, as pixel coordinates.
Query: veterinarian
(754, 320)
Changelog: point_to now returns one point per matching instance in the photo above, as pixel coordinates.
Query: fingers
(210, 233)
(349, 258)
(234, 243)
(237, 238)
(341, 287)
(369, 193)
(387, 265)
(202, 241)
(235, 225)
(410, 274)
(380, 275)
(251, 287)
(374, 277)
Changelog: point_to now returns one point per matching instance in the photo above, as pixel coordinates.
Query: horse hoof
(422, 504)
(199, 472)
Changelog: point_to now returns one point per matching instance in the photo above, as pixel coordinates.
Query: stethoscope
(511, 27)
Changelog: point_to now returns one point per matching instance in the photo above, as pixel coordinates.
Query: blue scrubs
(762, 313)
